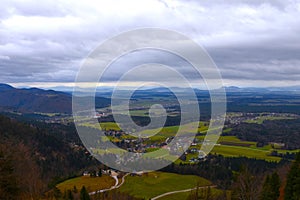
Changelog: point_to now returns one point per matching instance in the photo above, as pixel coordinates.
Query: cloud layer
(252, 42)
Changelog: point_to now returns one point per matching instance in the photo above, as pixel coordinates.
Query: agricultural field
(170, 131)
(91, 183)
(229, 146)
(145, 112)
(153, 184)
(234, 141)
(104, 126)
(238, 151)
(110, 126)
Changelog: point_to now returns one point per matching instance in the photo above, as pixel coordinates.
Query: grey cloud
(248, 40)
(33, 8)
(138, 58)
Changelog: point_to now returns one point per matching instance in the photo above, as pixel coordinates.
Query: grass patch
(91, 183)
(227, 130)
(185, 195)
(177, 196)
(237, 151)
(109, 126)
(155, 183)
(160, 153)
(103, 125)
(234, 141)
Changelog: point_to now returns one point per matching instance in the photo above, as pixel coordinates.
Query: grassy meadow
(91, 183)
(153, 184)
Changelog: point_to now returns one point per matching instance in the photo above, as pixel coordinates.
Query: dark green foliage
(100, 172)
(218, 169)
(84, 195)
(19, 175)
(201, 193)
(292, 189)
(57, 193)
(49, 147)
(281, 131)
(93, 173)
(8, 181)
(266, 190)
(270, 190)
(113, 195)
(246, 185)
(68, 195)
(75, 190)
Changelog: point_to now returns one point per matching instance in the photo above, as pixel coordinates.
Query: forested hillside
(34, 156)
(39, 100)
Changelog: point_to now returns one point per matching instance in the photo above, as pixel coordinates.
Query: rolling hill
(38, 100)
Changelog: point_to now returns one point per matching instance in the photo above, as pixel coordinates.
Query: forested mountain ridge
(39, 100)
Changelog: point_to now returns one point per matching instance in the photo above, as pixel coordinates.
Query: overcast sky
(253, 42)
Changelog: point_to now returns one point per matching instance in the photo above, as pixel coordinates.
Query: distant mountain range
(50, 101)
(267, 89)
(106, 91)
(39, 100)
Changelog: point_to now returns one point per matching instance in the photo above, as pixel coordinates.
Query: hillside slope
(38, 100)
(32, 156)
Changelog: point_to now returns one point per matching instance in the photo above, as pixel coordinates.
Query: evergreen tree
(100, 173)
(8, 181)
(266, 190)
(246, 186)
(93, 173)
(275, 185)
(75, 189)
(84, 195)
(57, 193)
(270, 190)
(65, 195)
(201, 193)
(69, 195)
(292, 188)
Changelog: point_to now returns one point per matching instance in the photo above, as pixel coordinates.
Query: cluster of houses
(98, 173)
(238, 118)
(142, 145)
(99, 115)
(110, 172)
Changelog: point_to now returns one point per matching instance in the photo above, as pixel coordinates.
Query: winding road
(114, 176)
(117, 185)
(179, 191)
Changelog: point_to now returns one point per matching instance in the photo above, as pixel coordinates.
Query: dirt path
(114, 176)
(179, 191)
(117, 185)
(123, 181)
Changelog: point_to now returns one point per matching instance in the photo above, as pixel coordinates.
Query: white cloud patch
(45, 41)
